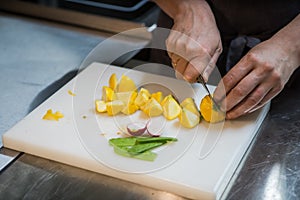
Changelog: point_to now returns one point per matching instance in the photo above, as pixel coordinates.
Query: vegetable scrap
(139, 147)
(71, 93)
(53, 116)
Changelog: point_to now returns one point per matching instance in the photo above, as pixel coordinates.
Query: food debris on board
(53, 116)
(71, 93)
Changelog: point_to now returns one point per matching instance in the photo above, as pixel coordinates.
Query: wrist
(287, 39)
(176, 8)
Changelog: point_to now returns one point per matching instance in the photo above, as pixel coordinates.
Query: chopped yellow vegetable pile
(123, 97)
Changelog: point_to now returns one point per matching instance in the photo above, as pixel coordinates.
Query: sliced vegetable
(153, 129)
(137, 128)
(147, 155)
(114, 107)
(113, 82)
(129, 109)
(108, 94)
(209, 112)
(158, 96)
(140, 148)
(152, 108)
(155, 139)
(190, 105)
(142, 97)
(188, 119)
(126, 84)
(122, 142)
(100, 106)
(171, 108)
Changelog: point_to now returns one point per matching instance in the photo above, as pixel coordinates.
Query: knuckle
(238, 92)
(260, 92)
(219, 50)
(180, 42)
(253, 57)
(268, 68)
(233, 114)
(192, 47)
(276, 76)
(278, 87)
(229, 79)
(169, 46)
(252, 100)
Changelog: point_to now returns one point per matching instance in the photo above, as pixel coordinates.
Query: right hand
(194, 43)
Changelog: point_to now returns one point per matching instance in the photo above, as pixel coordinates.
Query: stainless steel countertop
(271, 169)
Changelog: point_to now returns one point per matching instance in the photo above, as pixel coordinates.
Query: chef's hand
(194, 43)
(261, 74)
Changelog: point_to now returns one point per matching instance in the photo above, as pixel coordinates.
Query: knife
(201, 80)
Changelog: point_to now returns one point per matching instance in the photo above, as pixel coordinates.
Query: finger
(252, 100)
(196, 67)
(216, 55)
(240, 91)
(171, 42)
(181, 66)
(179, 76)
(212, 63)
(272, 93)
(256, 99)
(231, 79)
(208, 70)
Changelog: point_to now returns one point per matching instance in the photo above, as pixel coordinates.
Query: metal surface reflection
(275, 183)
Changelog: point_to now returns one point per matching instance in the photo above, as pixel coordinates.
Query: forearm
(174, 8)
(288, 39)
(170, 7)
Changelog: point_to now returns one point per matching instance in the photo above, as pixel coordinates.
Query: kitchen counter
(271, 169)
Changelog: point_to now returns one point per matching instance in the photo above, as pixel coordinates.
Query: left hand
(258, 77)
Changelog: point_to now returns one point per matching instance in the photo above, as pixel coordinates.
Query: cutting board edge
(223, 185)
(181, 190)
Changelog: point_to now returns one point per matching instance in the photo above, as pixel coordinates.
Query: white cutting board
(198, 166)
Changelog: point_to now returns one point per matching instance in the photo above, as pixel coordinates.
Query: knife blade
(201, 80)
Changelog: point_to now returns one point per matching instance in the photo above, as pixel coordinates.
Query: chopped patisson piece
(209, 112)
(53, 116)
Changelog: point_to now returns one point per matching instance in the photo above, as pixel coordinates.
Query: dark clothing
(255, 18)
(242, 24)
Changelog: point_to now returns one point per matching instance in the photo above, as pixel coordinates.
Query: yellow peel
(100, 106)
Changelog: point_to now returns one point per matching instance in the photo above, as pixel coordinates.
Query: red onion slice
(137, 128)
(153, 129)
